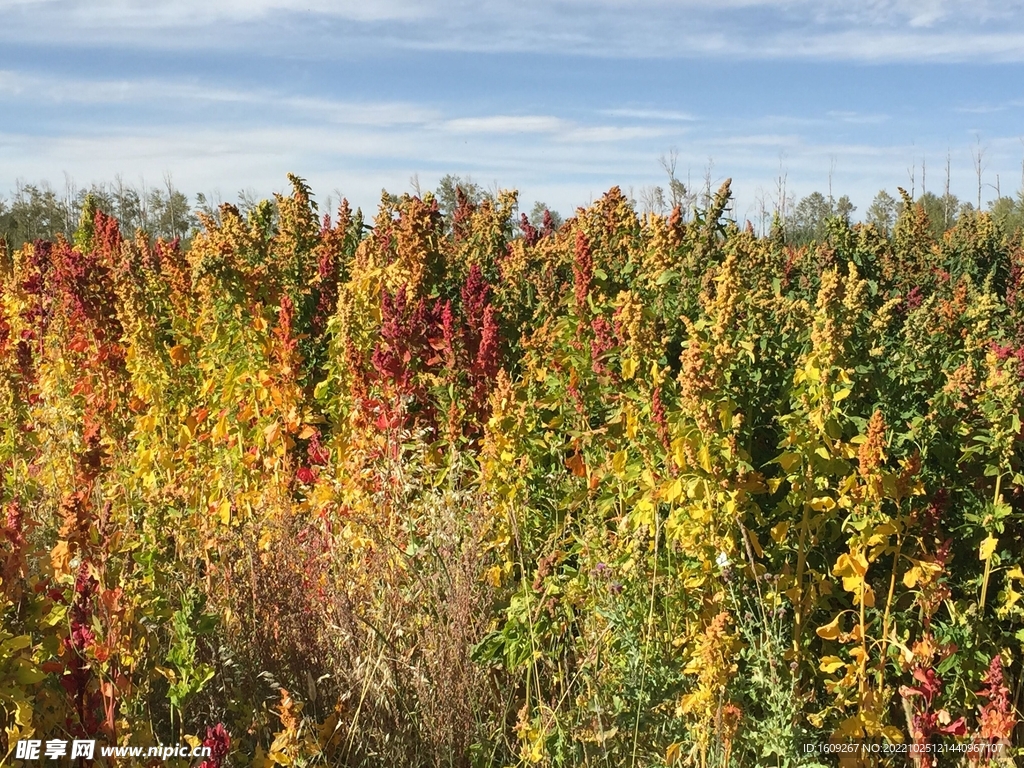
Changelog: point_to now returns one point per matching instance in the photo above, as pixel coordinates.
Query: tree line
(37, 211)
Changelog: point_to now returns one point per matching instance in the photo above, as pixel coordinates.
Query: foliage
(455, 489)
(38, 212)
(811, 216)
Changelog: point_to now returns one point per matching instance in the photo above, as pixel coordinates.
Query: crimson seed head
(582, 269)
(219, 742)
(530, 233)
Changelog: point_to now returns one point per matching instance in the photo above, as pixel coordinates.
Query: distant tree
(208, 206)
(1008, 213)
(942, 211)
(882, 212)
(811, 215)
(248, 199)
(678, 195)
(5, 225)
(537, 216)
(844, 208)
(170, 214)
(951, 206)
(36, 212)
(652, 199)
(808, 220)
(130, 206)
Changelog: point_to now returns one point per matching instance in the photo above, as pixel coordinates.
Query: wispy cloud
(613, 133)
(988, 109)
(650, 114)
(36, 89)
(506, 124)
(362, 95)
(857, 118)
(876, 30)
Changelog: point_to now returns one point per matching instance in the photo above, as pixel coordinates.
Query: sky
(560, 100)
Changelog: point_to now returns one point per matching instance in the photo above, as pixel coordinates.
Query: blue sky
(560, 100)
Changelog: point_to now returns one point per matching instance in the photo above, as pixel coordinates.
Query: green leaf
(26, 673)
(666, 277)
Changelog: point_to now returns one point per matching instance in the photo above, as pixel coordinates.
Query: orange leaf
(576, 465)
(179, 354)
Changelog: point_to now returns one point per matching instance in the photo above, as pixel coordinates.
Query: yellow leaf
(1015, 573)
(851, 728)
(988, 546)
(830, 664)
(619, 462)
(852, 583)
(823, 503)
(674, 490)
(629, 366)
(788, 461)
(679, 452)
(831, 630)
(893, 734)
(224, 511)
(779, 532)
(912, 577)
(868, 595)
(851, 564)
(756, 545)
(493, 576)
(168, 673)
(22, 713)
(307, 432)
(705, 458)
(672, 753)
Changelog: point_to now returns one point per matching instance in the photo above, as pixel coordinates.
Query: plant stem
(801, 565)
(988, 560)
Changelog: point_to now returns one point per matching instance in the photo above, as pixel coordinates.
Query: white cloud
(134, 14)
(614, 133)
(359, 160)
(650, 114)
(857, 118)
(872, 30)
(506, 124)
(152, 92)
